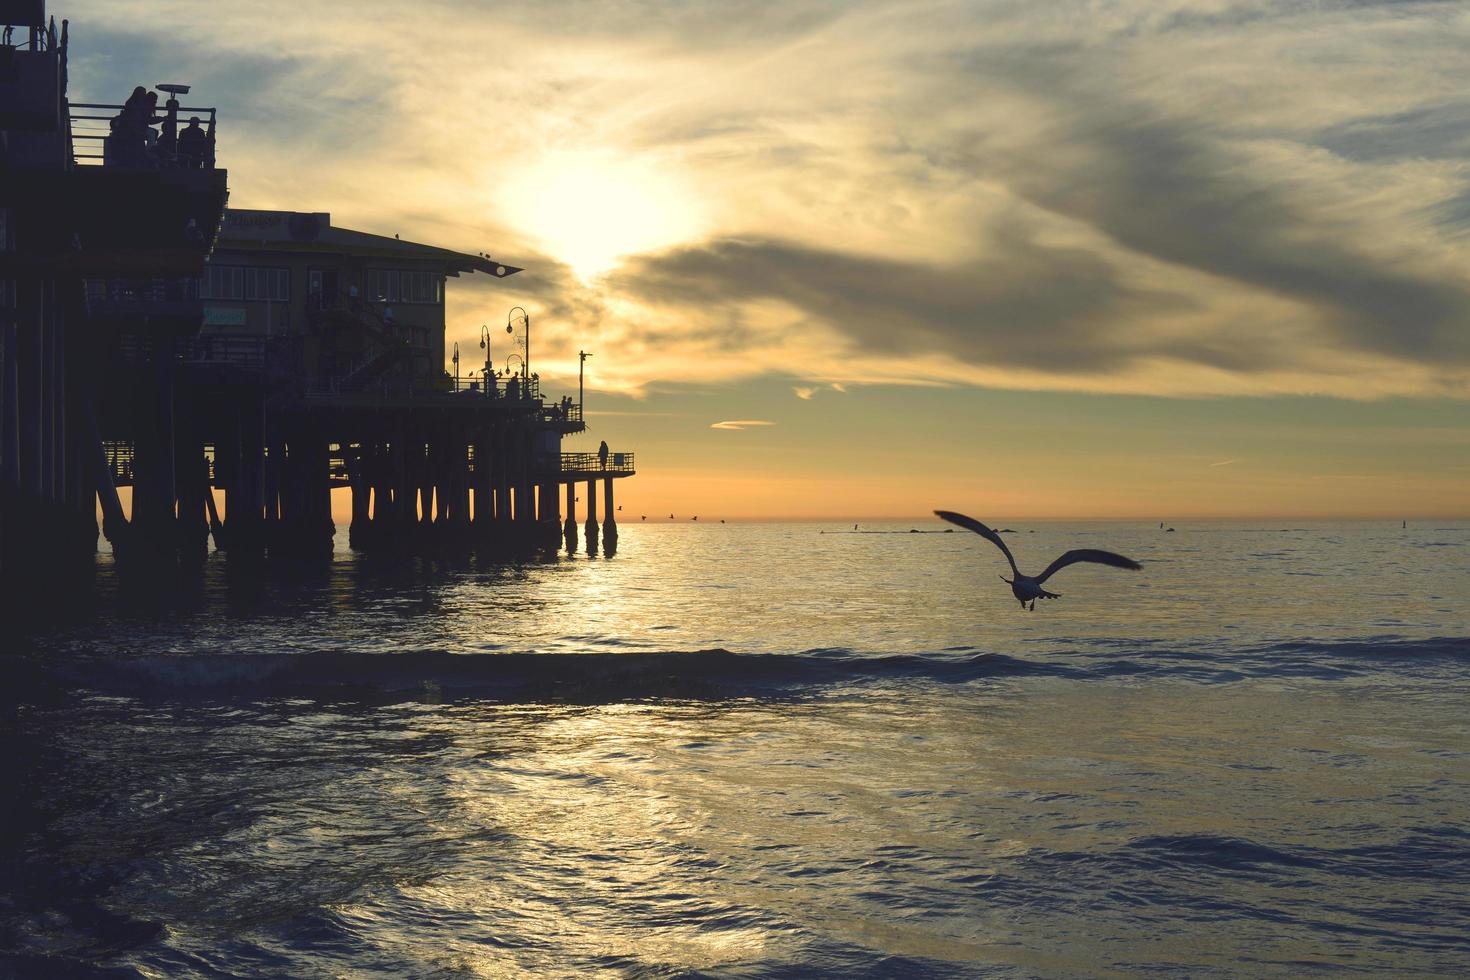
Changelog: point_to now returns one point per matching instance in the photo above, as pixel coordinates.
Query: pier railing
(95, 140)
(273, 355)
(155, 297)
(592, 464)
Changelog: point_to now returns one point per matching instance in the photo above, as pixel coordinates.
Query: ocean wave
(713, 674)
(518, 677)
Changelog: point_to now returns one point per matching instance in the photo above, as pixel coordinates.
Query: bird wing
(1087, 554)
(970, 524)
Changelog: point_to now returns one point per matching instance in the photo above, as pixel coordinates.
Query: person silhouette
(191, 145)
(602, 454)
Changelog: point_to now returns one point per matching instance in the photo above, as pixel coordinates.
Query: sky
(1143, 259)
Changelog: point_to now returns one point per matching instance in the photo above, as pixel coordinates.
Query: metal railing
(142, 291)
(593, 464)
(108, 140)
(500, 387)
(38, 38)
(275, 355)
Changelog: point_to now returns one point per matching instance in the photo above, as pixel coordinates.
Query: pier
(198, 374)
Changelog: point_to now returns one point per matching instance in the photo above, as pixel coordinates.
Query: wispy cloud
(808, 392)
(740, 424)
(1225, 462)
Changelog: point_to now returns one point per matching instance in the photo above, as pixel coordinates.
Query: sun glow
(590, 208)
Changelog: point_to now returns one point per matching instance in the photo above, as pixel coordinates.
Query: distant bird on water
(1025, 588)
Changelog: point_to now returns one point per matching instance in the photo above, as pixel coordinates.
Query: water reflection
(417, 768)
(847, 833)
(787, 588)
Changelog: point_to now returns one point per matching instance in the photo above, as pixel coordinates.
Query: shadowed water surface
(760, 751)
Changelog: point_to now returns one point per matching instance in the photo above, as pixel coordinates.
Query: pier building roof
(307, 231)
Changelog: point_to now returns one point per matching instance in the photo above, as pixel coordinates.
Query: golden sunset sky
(1157, 259)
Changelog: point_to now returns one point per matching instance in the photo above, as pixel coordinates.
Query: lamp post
(581, 395)
(510, 319)
(485, 346)
(456, 365)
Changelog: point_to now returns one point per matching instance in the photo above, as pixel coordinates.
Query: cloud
(740, 425)
(808, 392)
(1225, 462)
(1184, 198)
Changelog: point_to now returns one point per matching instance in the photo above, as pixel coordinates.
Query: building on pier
(302, 357)
(349, 295)
(317, 363)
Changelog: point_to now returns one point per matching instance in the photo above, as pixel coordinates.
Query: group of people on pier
(133, 142)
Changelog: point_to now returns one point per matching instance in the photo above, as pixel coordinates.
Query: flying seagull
(1025, 588)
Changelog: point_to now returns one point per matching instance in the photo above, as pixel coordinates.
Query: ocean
(778, 750)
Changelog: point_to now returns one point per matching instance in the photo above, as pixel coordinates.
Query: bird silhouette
(695, 517)
(1026, 588)
(644, 517)
(671, 517)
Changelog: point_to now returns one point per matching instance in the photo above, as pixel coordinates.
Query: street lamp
(456, 365)
(510, 319)
(485, 346)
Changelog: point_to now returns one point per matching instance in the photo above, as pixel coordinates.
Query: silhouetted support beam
(525, 489)
(357, 481)
(459, 485)
(569, 529)
(609, 523)
(114, 522)
(190, 485)
(80, 487)
(316, 474)
(155, 490)
(484, 494)
(384, 517)
(405, 491)
(245, 486)
(550, 529)
(9, 436)
(28, 408)
(10, 401)
(591, 527)
(424, 479)
(9, 396)
(277, 493)
(216, 526)
(50, 390)
(502, 462)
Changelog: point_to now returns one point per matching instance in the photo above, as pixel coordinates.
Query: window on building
(404, 286)
(271, 284)
(245, 282)
(222, 282)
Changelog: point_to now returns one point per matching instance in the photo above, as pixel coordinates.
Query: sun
(590, 208)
